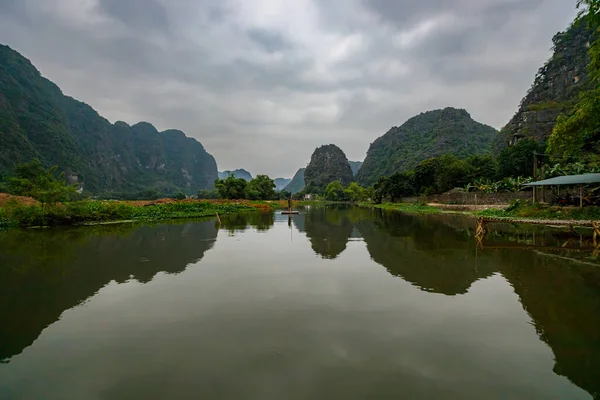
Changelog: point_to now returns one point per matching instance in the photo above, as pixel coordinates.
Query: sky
(262, 83)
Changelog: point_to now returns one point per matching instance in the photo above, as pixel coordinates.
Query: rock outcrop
(327, 164)
(555, 89)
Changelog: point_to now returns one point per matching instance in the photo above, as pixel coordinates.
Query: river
(332, 303)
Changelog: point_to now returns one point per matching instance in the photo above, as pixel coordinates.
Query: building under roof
(572, 180)
(582, 179)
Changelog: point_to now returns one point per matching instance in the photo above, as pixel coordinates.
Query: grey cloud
(145, 14)
(242, 81)
(270, 41)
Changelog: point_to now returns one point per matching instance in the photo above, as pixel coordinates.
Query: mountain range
(38, 121)
(238, 173)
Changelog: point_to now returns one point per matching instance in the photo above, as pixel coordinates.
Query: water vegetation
(15, 214)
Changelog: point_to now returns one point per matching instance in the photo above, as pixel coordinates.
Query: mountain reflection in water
(45, 273)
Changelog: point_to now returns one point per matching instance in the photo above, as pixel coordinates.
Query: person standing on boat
(290, 203)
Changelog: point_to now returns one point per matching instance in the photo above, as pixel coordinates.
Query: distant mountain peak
(238, 173)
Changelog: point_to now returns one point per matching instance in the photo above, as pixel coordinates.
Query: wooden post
(534, 175)
(596, 232)
(219, 218)
(580, 196)
(543, 187)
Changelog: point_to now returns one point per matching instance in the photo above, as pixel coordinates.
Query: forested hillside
(38, 121)
(430, 134)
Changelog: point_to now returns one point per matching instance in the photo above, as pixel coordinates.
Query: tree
(517, 160)
(208, 194)
(399, 185)
(380, 189)
(284, 194)
(45, 185)
(180, 196)
(335, 191)
(148, 194)
(355, 192)
(424, 175)
(451, 173)
(231, 188)
(260, 188)
(482, 167)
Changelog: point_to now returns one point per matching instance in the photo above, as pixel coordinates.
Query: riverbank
(534, 212)
(15, 213)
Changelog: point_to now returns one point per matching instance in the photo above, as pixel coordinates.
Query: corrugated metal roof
(568, 180)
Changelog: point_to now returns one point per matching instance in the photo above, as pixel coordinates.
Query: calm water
(332, 304)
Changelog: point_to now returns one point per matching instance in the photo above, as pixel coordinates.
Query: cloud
(262, 83)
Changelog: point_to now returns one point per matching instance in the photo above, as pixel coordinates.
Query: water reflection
(261, 221)
(328, 230)
(45, 273)
(424, 252)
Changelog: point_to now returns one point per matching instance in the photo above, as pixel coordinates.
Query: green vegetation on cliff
(555, 89)
(327, 164)
(430, 134)
(38, 121)
(577, 133)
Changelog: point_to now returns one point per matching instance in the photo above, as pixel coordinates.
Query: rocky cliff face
(38, 120)
(327, 164)
(555, 89)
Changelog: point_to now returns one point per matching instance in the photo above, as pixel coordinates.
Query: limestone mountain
(38, 120)
(555, 89)
(355, 166)
(429, 134)
(281, 183)
(297, 183)
(328, 163)
(238, 173)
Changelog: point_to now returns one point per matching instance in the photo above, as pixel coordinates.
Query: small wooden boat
(289, 210)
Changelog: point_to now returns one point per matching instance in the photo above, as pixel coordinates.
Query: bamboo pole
(580, 196)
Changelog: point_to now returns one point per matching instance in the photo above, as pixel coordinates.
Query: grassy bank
(404, 207)
(517, 210)
(15, 214)
(541, 212)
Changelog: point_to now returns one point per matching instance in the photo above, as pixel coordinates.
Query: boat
(289, 210)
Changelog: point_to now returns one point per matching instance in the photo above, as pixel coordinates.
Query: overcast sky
(261, 83)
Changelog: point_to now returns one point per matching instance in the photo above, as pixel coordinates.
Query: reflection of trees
(328, 230)
(563, 299)
(424, 252)
(261, 221)
(43, 273)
